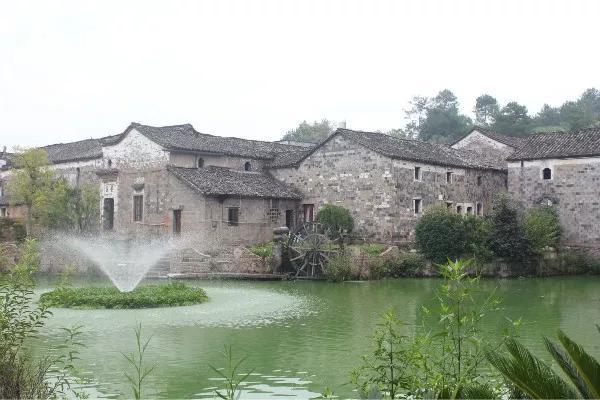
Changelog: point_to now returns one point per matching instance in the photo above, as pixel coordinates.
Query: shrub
(542, 227)
(507, 238)
(441, 234)
(406, 264)
(373, 249)
(579, 261)
(147, 296)
(478, 232)
(340, 268)
(335, 218)
(263, 250)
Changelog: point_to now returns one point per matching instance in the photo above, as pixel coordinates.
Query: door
(309, 215)
(289, 219)
(177, 222)
(109, 214)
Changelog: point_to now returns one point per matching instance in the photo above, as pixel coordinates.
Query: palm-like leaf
(530, 374)
(580, 367)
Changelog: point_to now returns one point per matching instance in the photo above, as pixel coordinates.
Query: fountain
(125, 261)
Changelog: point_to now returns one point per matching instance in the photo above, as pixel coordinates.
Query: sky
(72, 70)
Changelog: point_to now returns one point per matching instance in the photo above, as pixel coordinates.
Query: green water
(300, 337)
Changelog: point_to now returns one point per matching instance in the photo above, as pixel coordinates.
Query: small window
(459, 209)
(522, 164)
(233, 216)
(417, 206)
(448, 177)
(479, 181)
(273, 214)
(177, 222)
(138, 207)
(547, 174)
(309, 212)
(417, 173)
(247, 166)
(3, 212)
(478, 209)
(109, 163)
(1, 190)
(469, 210)
(200, 162)
(449, 204)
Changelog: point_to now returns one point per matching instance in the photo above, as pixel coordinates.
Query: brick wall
(574, 189)
(379, 191)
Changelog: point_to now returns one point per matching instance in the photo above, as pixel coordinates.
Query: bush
(373, 249)
(441, 234)
(579, 261)
(340, 268)
(507, 238)
(478, 232)
(406, 264)
(147, 296)
(12, 230)
(336, 219)
(542, 227)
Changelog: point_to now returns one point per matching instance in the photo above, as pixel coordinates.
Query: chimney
(342, 124)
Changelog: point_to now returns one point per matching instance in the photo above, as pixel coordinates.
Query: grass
(263, 250)
(146, 296)
(373, 249)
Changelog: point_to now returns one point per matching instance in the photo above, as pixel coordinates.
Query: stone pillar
(279, 238)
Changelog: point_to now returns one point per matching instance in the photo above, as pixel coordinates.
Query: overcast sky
(254, 69)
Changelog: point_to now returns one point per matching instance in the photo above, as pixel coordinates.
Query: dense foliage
(71, 208)
(340, 268)
(542, 228)
(313, 133)
(335, 219)
(507, 238)
(373, 249)
(144, 296)
(405, 264)
(441, 234)
(12, 230)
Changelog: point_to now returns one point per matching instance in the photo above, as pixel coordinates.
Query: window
(417, 206)
(3, 212)
(459, 209)
(309, 212)
(448, 177)
(200, 162)
(469, 210)
(449, 204)
(417, 173)
(138, 207)
(1, 190)
(479, 181)
(177, 222)
(522, 164)
(478, 208)
(247, 166)
(547, 173)
(109, 163)
(273, 214)
(233, 216)
(289, 218)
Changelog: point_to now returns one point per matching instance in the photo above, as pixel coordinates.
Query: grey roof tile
(584, 143)
(512, 141)
(217, 181)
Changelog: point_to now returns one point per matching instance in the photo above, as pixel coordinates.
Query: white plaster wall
(189, 160)
(475, 139)
(135, 151)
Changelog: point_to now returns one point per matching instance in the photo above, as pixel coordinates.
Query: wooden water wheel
(310, 248)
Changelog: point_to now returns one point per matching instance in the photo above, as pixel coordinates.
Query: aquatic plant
(231, 375)
(537, 380)
(145, 296)
(136, 361)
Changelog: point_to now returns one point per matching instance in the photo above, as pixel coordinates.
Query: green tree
(336, 219)
(486, 109)
(507, 238)
(513, 119)
(31, 182)
(441, 234)
(541, 226)
(313, 133)
(437, 119)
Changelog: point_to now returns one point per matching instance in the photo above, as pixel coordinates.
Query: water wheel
(310, 248)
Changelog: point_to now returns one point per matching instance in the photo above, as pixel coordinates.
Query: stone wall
(379, 191)
(479, 142)
(574, 189)
(190, 160)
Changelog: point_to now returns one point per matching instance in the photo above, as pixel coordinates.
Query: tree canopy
(313, 133)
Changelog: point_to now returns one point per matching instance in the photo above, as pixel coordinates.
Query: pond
(300, 337)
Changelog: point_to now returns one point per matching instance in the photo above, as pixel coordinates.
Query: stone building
(562, 169)
(492, 144)
(387, 182)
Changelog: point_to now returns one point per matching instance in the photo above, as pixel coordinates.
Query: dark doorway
(109, 214)
(177, 222)
(309, 212)
(289, 219)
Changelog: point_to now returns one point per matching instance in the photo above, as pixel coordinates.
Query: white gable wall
(135, 151)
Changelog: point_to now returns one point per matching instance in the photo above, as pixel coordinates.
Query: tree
(335, 218)
(542, 227)
(486, 109)
(71, 208)
(313, 133)
(507, 237)
(441, 234)
(31, 182)
(513, 120)
(548, 120)
(437, 119)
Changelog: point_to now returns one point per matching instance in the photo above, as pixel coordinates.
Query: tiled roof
(416, 150)
(512, 141)
(217, 181)
(290, 158)
(75, 151)
(185, 137)
(585, 143)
